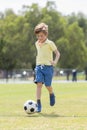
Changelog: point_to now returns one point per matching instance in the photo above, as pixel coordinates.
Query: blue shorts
(44, 74)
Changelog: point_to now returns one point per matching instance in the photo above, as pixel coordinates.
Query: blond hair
(42, 27)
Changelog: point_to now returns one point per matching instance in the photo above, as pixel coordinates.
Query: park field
(69, 112)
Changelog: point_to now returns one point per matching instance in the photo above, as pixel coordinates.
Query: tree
(17, 37)
(63, 46)
(82, 22)
(77, 48)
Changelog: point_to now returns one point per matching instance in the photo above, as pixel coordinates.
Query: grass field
(69, 112)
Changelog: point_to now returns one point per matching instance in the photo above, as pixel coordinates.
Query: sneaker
(52, 99)
(39, 107)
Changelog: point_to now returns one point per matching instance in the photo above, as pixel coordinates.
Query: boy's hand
(53, 63)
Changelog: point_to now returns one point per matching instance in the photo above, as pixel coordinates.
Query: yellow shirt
(45, 52)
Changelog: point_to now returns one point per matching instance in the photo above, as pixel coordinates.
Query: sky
(66, 7)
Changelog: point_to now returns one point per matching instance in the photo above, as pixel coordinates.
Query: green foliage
(77, 49)
(17, 37)
(63, 46)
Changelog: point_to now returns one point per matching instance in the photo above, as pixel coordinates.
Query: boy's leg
(48, 82)
(52, 96)
(39, 80)
(38, 91)
(38, 96)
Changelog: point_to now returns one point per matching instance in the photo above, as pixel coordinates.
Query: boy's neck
(42, 41)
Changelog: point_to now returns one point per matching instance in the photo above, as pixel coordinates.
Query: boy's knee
(39, 84)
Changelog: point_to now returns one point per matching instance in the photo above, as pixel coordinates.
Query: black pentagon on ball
(30, 103)
(25, 108)
(32, 110)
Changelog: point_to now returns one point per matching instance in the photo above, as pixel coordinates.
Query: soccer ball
(30, 106)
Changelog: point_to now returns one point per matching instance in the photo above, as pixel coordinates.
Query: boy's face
(41, 37)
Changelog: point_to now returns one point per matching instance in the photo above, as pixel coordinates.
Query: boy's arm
(57, 56)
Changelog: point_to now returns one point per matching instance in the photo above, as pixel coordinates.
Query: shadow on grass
(49, 115)
(54, 115)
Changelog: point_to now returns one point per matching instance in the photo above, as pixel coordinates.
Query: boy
(44, 63)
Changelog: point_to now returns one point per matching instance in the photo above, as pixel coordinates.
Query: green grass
(69, 112)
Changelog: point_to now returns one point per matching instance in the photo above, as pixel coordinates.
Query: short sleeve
(52, 46)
